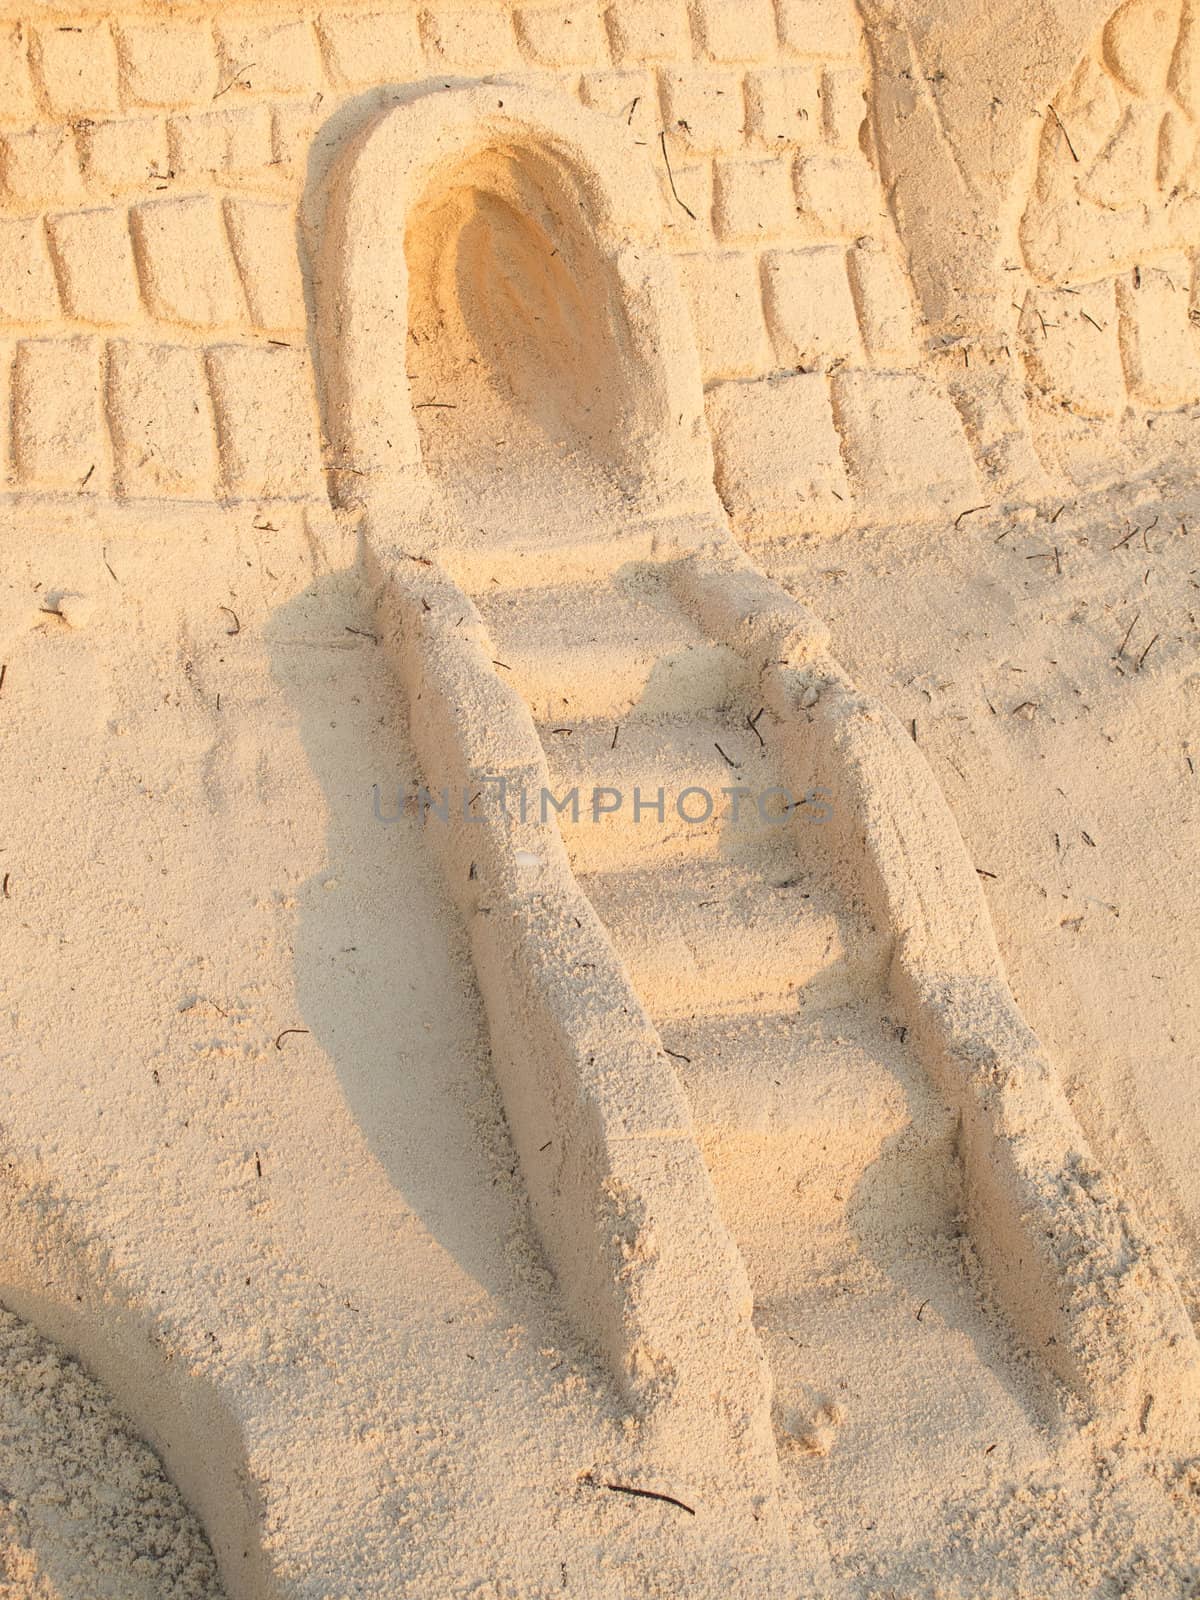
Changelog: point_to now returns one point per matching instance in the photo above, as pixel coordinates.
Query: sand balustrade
(1064, 1255)
(512, 390)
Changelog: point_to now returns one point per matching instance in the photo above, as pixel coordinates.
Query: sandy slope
(323, 1236)
(1072, 766)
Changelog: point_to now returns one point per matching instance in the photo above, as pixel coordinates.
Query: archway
(495, 251)
(518, 353)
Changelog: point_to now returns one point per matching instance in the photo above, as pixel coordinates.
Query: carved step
(516, 553)
(675, 755)
(617, 651)
(721, 939)
(831, 1078)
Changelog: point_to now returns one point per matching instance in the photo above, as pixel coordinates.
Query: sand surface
(331, 1222)
(408, 1196)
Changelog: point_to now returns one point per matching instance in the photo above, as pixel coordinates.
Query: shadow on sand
(383, 973)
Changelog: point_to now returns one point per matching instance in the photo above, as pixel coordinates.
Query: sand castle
(536, 341)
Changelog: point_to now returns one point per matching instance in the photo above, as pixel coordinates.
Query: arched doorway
(491, 288)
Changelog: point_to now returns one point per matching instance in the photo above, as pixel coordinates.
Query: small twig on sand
(970, 512)
(234, 79)
(662, 139)
(729, 761)
(1128, 632)
(752, 724)
(1065, 134)
(1146, 652)
(237, 626)
(650, 1494)
(281, 1036)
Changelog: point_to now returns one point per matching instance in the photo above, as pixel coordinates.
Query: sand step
(611, 650)
(834, 1164)
(722, 938)
(681, 757)
(822, 1134)
(533, 558)
(849, 1355)
(824, 1075)
(815, 1098)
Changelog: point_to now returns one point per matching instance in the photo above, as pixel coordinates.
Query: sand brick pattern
(77, 68)
(161, 416)
(94, 256)
(755, 430)
(152, 167)
(810, 310)
(56, 412)
(167, 63)
(27, 288)
(372, 47)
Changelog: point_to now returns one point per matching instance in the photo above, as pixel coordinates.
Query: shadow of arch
(56, 1275)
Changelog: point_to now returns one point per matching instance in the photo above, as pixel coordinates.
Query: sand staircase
(800, 1167)
(833, 1162)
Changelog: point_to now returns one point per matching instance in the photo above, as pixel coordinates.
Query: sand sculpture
(534, 326)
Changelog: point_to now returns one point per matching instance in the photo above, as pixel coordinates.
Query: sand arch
(506, 286)
(527, 229)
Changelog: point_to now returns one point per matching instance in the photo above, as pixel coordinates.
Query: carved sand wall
(153, 276)
(1045, 197)
(1108, 233)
